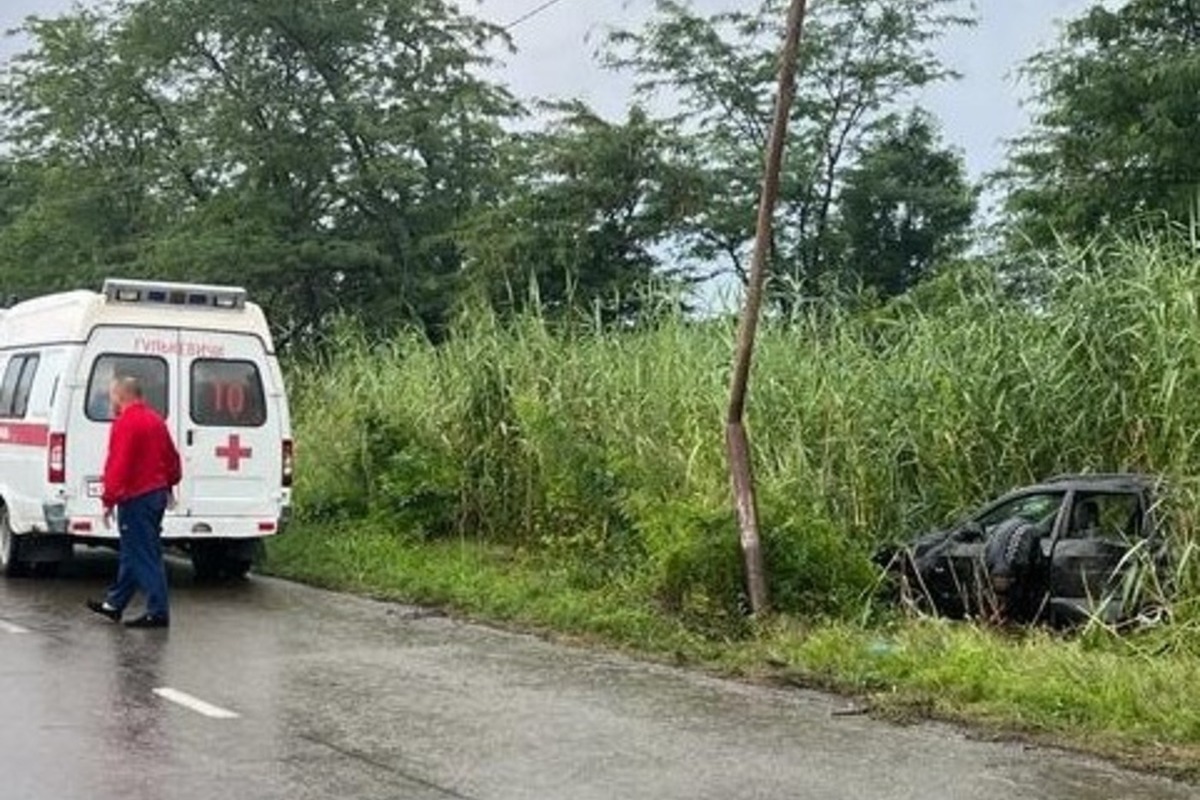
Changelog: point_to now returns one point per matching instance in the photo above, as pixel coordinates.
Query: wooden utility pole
(736, 440)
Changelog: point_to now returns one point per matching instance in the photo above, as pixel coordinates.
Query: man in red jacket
(140, 473)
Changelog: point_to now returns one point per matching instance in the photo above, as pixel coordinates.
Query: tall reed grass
(601, 449)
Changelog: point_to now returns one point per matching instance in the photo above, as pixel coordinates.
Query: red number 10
(229, 397)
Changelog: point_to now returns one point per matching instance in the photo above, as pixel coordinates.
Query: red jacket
(141, 456)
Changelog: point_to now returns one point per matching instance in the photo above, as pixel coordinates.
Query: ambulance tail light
(56, 465)
(289, 462)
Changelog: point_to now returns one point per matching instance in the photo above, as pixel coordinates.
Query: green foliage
(404, 479)
(1108, 694)
(861, 60)
(1118, 117)
(815, 567)
(693, 568)
(905, 210)
(494, 464)
(373, 460)
(321, 154)
(353, 157)
(588, 204)
(601, 449)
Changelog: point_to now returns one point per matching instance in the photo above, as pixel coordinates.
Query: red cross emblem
(233, 453)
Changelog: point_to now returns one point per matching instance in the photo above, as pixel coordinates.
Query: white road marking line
(194, 703)
(9, 627)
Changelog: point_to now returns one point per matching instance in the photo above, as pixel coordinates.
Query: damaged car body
(1071, 549)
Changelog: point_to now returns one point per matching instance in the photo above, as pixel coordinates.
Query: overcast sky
(978, 112)
(557, 47)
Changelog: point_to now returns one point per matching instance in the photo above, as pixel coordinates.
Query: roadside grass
(488, 582)
(1133, 700)
(1082, 691)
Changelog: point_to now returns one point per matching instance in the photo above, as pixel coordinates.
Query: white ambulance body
(205, 360)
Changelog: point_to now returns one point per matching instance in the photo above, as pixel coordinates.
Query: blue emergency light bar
(189, 295)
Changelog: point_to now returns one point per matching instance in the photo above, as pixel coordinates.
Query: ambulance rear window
(227, 394)
(150, 371)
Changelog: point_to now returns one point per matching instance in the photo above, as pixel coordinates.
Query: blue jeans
(141, 557)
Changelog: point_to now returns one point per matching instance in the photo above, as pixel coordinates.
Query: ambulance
(205, 359)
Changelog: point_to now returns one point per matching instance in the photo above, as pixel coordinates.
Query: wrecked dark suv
(1073, 548)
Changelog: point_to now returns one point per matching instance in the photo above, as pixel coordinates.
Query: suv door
(1087, 557)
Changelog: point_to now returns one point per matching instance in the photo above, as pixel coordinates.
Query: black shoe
(104, 610)
(149, 621)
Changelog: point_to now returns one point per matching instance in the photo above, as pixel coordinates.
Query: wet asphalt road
(338, 697)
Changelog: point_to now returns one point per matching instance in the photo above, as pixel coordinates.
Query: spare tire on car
(1011, 557)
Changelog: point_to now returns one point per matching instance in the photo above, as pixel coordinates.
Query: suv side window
(1111, 516)
(1031, 508)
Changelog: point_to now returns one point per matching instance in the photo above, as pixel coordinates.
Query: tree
(859, 62)
(78, 160)
(322, 154)
(1118, 118)
(588, 205)
(906, 207)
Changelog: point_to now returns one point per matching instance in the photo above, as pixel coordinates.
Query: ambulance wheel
(10, 547)
(46, 569)
(212, 561)
(206, 562)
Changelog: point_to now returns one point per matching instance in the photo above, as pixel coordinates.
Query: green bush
(815, 568)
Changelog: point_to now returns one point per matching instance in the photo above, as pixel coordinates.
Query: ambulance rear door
(231, 442)
(113, 352)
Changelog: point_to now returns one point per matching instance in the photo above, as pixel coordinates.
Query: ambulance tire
(206, 562)
(11, 564)
(47, 569)
(212, 562)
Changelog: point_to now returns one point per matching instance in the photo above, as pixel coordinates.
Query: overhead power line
(546, 6)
